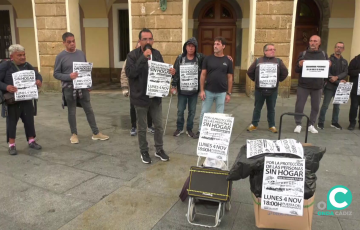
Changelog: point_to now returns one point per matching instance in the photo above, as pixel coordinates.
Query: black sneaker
(351, 127)
(178, 132)
(336, 126)
(12, 150)
(190, 133)
(35, 145)
(162, 155)
(145, 157)
(321, 125)
(197, 135)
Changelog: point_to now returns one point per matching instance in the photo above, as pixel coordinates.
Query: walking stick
(167, 117)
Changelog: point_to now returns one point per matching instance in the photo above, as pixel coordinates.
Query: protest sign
(315, 69)
(83, 81)
(189, 76)
(358, 89)
(267, 75)
(261, 146)
(159, 79)
(25, 82)
(342, 94)
(283, 185)
(215, 136)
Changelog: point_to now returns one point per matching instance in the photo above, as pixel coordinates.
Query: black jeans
(270, 104)
(25, 111)
(355, 103)
(133, 117)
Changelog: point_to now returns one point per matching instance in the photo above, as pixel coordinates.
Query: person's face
(190, 49)
(314, 42)
(70, 43)
(18, 57)
(270, 51)
(339, 48)
(146, 38)
(218, 47)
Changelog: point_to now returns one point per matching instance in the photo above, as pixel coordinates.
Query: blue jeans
(219, 99)
(270, 104)
(191, 100)
(328, 94)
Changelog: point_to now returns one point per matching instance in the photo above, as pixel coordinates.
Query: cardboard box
(268, 219)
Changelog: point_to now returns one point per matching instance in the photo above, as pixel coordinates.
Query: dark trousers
(328, 95)
(191, 101)
(302, 95)
(25, 111)
(86, 105)
(155, 109)
(133, 117)
(355, 103)
(270, 104)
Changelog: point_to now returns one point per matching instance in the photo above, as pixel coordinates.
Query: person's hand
(125, 92)
(38, 83)
(330, 63)
(89, 90)
(11, 89)
(173, 90)
(202, 95)
(227, 98)
(342, 81)
(172, 71)
(74, 75)
(301, 63)
(230, 58)
(147, 53)
(333, 79)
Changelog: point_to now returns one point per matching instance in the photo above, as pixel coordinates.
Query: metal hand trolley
(295, 114)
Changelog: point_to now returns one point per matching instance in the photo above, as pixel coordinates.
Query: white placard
(262, 146)
(83, 81)
(189, 77)
(159, 79)
(25, 82)
(215, 136)
(358, 89)
(283, 185)
(315, 69)
(267, 75)
(342, 94)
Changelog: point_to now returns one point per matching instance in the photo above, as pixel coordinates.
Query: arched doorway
(308, 22)
(217, 18)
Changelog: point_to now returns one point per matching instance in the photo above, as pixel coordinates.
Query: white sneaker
(312, 129)
(297, 129)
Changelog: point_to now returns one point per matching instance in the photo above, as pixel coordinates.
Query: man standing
(188, 95)
(354, 72)
(20, 109)
(216, 80)
(338, 72)
(309, 86)
(64, 71)
(137, 69)
(267, 80)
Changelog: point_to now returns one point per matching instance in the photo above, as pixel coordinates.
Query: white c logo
(332, 197)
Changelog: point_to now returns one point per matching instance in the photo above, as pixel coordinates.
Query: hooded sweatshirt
(354, 71)
(180, 60)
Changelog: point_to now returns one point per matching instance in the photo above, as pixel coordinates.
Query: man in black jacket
(266, 85)
(309, 86)
(21, 109)
(338, 72)
(137, 69)
(354, 72)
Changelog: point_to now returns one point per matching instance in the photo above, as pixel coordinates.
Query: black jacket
(137, 70)
(199, 59)
(253, 71)
(354, 71)
(310, 83)
(339, 67)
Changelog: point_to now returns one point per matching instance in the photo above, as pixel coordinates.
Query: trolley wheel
(228, 206)
(192, 210)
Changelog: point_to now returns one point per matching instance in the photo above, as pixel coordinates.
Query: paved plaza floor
(104, 185)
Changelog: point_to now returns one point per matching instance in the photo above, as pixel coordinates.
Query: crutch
(167, 116)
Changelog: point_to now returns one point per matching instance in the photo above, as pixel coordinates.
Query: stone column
(166, 26)
(50, 25)
(273, 25)
(355, 47)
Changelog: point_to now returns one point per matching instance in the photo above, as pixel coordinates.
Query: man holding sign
(19, 108)
(69, 65)
(267, 72)
(313, 68)
(138, 64)
(354, 73)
